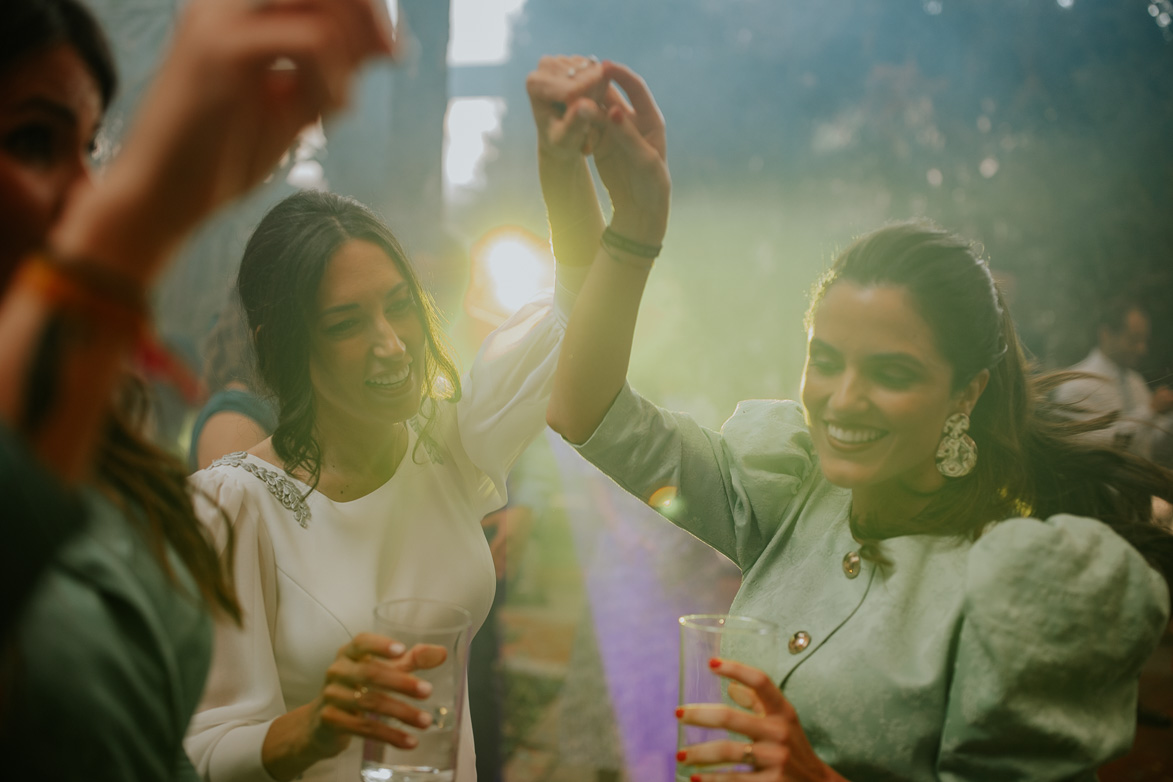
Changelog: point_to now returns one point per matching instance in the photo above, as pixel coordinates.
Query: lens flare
(662, 499)
(510, 266)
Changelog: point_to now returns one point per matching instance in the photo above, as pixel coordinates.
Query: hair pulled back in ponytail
(1034, 456)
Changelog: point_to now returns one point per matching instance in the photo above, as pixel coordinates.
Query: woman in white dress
(371, 488)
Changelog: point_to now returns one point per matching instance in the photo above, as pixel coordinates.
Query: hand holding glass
(414, 622)
(702, 638)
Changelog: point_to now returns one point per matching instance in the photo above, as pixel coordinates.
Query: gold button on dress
(799, 642)
(851, 564)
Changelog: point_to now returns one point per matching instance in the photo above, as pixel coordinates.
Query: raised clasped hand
(579, 110)
(631, 157)
(566, 95)
(358, 692)
(775, 746)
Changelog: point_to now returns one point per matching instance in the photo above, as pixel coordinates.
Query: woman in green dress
(967, 589)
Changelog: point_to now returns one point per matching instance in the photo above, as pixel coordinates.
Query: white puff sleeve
(242, 699)
(507, 388)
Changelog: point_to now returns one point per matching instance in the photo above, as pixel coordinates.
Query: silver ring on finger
(571, 72)
(747, 756)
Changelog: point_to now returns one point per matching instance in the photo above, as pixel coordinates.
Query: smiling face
(367, 340)
(877, 390)
(50, 107)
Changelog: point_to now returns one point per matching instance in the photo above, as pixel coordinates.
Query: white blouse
(309, 573)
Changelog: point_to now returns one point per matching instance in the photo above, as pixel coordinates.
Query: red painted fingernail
(714, 663)
(679, 713)
(681, 755)
(695, 778)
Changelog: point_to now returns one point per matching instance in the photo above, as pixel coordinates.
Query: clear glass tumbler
(703, 637)
(416, 621)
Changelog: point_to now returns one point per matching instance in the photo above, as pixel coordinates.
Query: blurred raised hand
(241, 79)
(239, 82)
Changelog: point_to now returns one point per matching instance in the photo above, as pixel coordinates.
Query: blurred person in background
(1142, 419)
(236, 416)
(1112, 385)
(968, 590)
(372, 487)
(108, 577)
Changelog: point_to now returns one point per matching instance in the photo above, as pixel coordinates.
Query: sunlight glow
(517, 269)
(510, 266)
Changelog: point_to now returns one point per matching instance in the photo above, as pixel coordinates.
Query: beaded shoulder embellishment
(283, 489)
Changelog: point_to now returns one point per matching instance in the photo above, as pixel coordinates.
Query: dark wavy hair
(1034, 458)
(151, 487)
(29, 27)
(278, 281)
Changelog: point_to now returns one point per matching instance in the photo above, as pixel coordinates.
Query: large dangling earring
(957, 453)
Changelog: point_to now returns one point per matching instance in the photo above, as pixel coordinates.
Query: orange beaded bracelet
(97, 293)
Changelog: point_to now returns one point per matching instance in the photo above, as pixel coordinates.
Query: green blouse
(107, 664)
(1013, 657)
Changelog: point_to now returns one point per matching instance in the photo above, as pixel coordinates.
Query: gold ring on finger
(747, 756)
(359, 692)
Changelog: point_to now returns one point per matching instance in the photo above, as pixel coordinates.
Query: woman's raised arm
(566, 95)
(630, 156)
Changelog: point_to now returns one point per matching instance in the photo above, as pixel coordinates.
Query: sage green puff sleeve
(1059, 617)
(731, 487)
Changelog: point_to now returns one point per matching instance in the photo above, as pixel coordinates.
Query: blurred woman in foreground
(967, 590)
(108, 583)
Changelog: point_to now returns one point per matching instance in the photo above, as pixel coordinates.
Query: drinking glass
(439, 623)
(730, 637)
